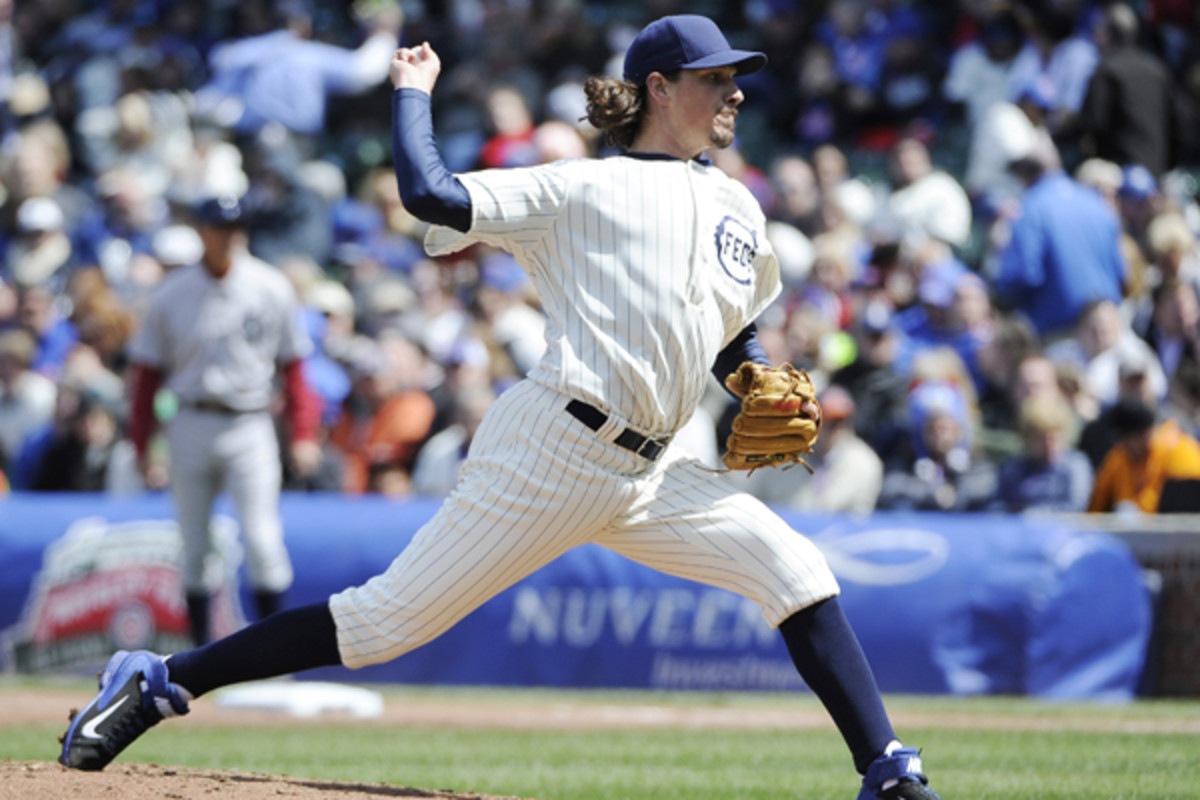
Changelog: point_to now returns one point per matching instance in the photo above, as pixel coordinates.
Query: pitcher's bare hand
(415, 68)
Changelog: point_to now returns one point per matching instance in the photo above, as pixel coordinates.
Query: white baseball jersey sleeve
(646, 270)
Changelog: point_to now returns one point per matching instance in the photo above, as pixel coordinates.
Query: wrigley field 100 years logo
(107, 586)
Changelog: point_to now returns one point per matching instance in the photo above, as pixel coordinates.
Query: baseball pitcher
(651, 266)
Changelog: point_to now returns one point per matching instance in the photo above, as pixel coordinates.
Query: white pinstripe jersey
(220, 340)
(646, 269)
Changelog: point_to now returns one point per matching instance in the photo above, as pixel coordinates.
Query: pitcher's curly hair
(617, 107)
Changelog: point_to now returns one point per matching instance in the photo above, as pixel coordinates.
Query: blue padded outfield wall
(958, 604)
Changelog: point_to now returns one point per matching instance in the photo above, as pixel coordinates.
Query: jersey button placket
(698, 261)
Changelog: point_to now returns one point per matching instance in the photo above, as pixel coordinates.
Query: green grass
(979, 748)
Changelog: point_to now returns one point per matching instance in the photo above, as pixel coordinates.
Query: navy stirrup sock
(286, 642)
(831, 661)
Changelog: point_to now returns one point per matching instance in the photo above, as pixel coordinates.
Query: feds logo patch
(737, 245)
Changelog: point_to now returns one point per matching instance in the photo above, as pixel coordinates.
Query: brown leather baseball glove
(780, 417)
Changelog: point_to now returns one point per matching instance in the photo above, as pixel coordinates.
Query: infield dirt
(40, 780)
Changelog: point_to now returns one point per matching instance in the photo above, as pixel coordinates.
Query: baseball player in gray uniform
(648, 264)
(217, 333)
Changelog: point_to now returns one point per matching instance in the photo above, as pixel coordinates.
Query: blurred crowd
(985, 213)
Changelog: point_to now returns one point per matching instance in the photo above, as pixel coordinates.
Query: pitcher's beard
(722, 135)
(722, 138)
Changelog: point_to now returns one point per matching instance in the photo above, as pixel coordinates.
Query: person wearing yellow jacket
(1147, 455)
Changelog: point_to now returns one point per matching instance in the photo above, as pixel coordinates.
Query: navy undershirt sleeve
(429, 191)
(744, 347)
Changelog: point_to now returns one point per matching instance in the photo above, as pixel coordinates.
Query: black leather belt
(594, 418)
(215, 407)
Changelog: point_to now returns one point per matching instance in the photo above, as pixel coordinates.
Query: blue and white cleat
(896, 775)
(135, 694)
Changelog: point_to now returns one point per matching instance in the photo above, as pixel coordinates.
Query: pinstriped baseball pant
(538, 483)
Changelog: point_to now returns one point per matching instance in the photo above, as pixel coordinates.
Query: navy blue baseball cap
(224, 210)
(685, 41)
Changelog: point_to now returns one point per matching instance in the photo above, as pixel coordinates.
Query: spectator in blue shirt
(858, 40)
(40, 313)
(931, 323)
(1064, 252)
(943, 473)
(1060, 49)
(284, 76)
(1050, 475)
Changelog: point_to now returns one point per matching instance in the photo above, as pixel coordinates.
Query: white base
(301, 698)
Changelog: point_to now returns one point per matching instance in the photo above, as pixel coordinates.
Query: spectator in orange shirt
(1145, 458)
(385, 419)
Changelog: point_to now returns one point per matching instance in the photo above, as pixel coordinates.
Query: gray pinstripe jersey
(222, 339)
